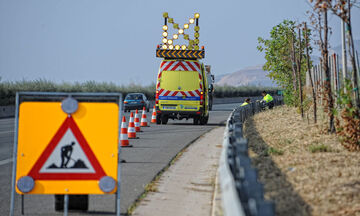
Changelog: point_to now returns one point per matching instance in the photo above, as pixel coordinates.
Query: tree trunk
(327, 84)
(293, 65)
(352, 58)
(308, 67)
(299, 75)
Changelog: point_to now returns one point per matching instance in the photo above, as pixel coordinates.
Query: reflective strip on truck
(178, 98)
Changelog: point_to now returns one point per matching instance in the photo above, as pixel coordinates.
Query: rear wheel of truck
(158, 119)
(196, 120)
(204, 120)
(164, 119)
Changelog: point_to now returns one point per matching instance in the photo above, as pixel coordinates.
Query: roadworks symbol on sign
(67, 157)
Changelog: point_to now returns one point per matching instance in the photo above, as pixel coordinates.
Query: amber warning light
(169, 47)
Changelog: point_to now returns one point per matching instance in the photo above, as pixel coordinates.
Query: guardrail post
(238, 132)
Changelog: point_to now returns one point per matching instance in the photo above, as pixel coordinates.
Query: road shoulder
(187, 187)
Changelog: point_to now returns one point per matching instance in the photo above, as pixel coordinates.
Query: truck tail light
(125, 102)
(202, 98)
(157, 97)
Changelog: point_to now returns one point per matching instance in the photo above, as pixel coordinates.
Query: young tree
(298, 62)
(321, 8)
(307, 45)
(281, 54)
(342, 9)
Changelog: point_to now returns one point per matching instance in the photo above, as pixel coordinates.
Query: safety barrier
(242, 194)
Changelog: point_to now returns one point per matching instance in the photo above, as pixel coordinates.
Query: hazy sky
(115, 41)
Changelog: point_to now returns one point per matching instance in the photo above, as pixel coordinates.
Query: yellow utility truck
(182, 88)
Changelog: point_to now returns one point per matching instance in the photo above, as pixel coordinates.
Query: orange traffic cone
(131, 129)
(153, 116)
(124, 134)
(137, 121)
(143, 122)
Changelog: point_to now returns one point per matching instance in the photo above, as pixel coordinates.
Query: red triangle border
(68, 123)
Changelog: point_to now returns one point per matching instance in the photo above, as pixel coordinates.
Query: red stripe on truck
(191, 66)
(167, 67)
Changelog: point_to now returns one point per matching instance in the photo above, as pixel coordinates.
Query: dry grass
(305, 171)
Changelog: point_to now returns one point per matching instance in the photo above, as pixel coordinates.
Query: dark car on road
(135, 101)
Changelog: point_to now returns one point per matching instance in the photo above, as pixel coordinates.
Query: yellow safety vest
(268, 98)
(244, 104)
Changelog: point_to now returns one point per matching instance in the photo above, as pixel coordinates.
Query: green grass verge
(319, 148)
(274, 151)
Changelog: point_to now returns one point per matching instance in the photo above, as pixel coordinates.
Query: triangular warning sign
(68, 156)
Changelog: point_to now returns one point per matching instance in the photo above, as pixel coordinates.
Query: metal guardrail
(242, 193)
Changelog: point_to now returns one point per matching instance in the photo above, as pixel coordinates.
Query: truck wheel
(204, 120)
(164, 119)
(76, 202)
(158, 119)
(196, 120)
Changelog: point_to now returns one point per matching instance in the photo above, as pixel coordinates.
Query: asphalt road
(154, 150)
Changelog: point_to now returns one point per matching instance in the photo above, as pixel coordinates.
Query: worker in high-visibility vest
(269, 101)
(246, 102)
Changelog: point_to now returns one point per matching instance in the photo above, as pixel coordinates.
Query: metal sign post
(117, 207)
(69, 131)
(13, 177)
(66, 204)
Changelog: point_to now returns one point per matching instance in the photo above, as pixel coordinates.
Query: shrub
(8, 89)
(319, 148)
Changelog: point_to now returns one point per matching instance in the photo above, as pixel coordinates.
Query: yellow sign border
(38, 123)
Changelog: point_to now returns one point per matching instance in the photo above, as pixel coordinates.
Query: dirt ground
(304, 171)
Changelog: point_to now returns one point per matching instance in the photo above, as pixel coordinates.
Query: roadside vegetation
(314, 88)
(8, 89)
(307, 152)
(304, 169)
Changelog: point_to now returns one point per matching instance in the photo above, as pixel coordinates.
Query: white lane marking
(6, 132)
(6, 161)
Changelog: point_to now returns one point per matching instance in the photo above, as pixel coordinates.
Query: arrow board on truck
(68, 156)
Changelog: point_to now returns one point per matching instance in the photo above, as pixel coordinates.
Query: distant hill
(248, 76)
(219, 77)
